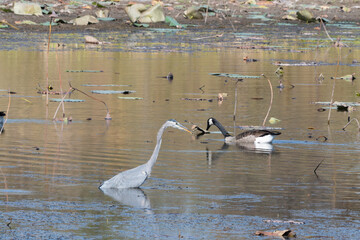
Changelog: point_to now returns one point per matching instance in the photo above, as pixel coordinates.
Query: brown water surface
(199, 188)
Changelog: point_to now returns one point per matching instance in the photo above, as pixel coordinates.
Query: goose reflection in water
(259, 148)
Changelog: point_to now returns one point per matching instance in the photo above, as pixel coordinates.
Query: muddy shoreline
(232, 16)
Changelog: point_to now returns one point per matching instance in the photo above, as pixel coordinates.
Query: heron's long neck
(155, 153)
(221, 128)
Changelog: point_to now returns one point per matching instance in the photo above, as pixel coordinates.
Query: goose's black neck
(221, 128)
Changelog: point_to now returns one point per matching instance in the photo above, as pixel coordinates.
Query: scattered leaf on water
(273, 120)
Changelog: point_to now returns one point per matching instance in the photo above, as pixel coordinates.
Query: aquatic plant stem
(322, 22)
(334, 83)
(108, 117)
(62, 102)
(271, 99)
(318, 166)
(207, 11)
(235, 104)
(355, 119)
(7, 113)
(61, 91)
(47, 66)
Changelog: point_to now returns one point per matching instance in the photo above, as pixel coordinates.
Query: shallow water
(199, 188)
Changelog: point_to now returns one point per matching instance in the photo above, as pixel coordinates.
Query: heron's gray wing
(131, 178)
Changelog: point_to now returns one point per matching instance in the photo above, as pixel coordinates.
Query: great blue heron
(135, 177)
(257, 136)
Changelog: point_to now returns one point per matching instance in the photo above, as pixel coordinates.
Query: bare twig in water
(61, 91)
(201, 88)
(232, 25)
(62, 102)
(207, 11)
(235, 104)
(322, 22)
(8, 224)
(355, 119)
(333, 88)
(318, 166)
(108, 117)
(271, 99)
(7, 113)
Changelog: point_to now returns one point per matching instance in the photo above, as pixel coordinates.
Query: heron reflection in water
(135, 177)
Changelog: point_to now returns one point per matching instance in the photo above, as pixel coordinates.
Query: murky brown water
(199, 189)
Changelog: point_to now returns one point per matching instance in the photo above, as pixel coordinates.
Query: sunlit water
(199, 187)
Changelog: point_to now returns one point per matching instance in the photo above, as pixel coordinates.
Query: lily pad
(131, 98)
(106, 19)
(88, 71)
(173, 23)
(336, 103)
(66, 100)
(112, 92)
(232, 75)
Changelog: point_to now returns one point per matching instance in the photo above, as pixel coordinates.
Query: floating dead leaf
(273, 120)
(257, 98)
(280, 233)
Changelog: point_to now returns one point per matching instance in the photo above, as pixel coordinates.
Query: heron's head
(210, 122)
(175, 124)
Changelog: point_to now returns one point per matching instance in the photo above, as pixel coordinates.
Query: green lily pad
(66, 100)
(106, 19)
(232, 75)
(173, 23)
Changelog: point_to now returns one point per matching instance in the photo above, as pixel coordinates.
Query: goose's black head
(210, 122)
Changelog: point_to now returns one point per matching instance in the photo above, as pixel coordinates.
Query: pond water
(199, 187)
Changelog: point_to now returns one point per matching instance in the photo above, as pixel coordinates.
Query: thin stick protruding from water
(271, 99)
(7, 113)
(318, 166)
(334, 83)
(357, 121)
(235, 104)
(108, 117)
(62, 102)
(207, 11)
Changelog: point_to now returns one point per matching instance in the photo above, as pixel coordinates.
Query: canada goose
(258, 136)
